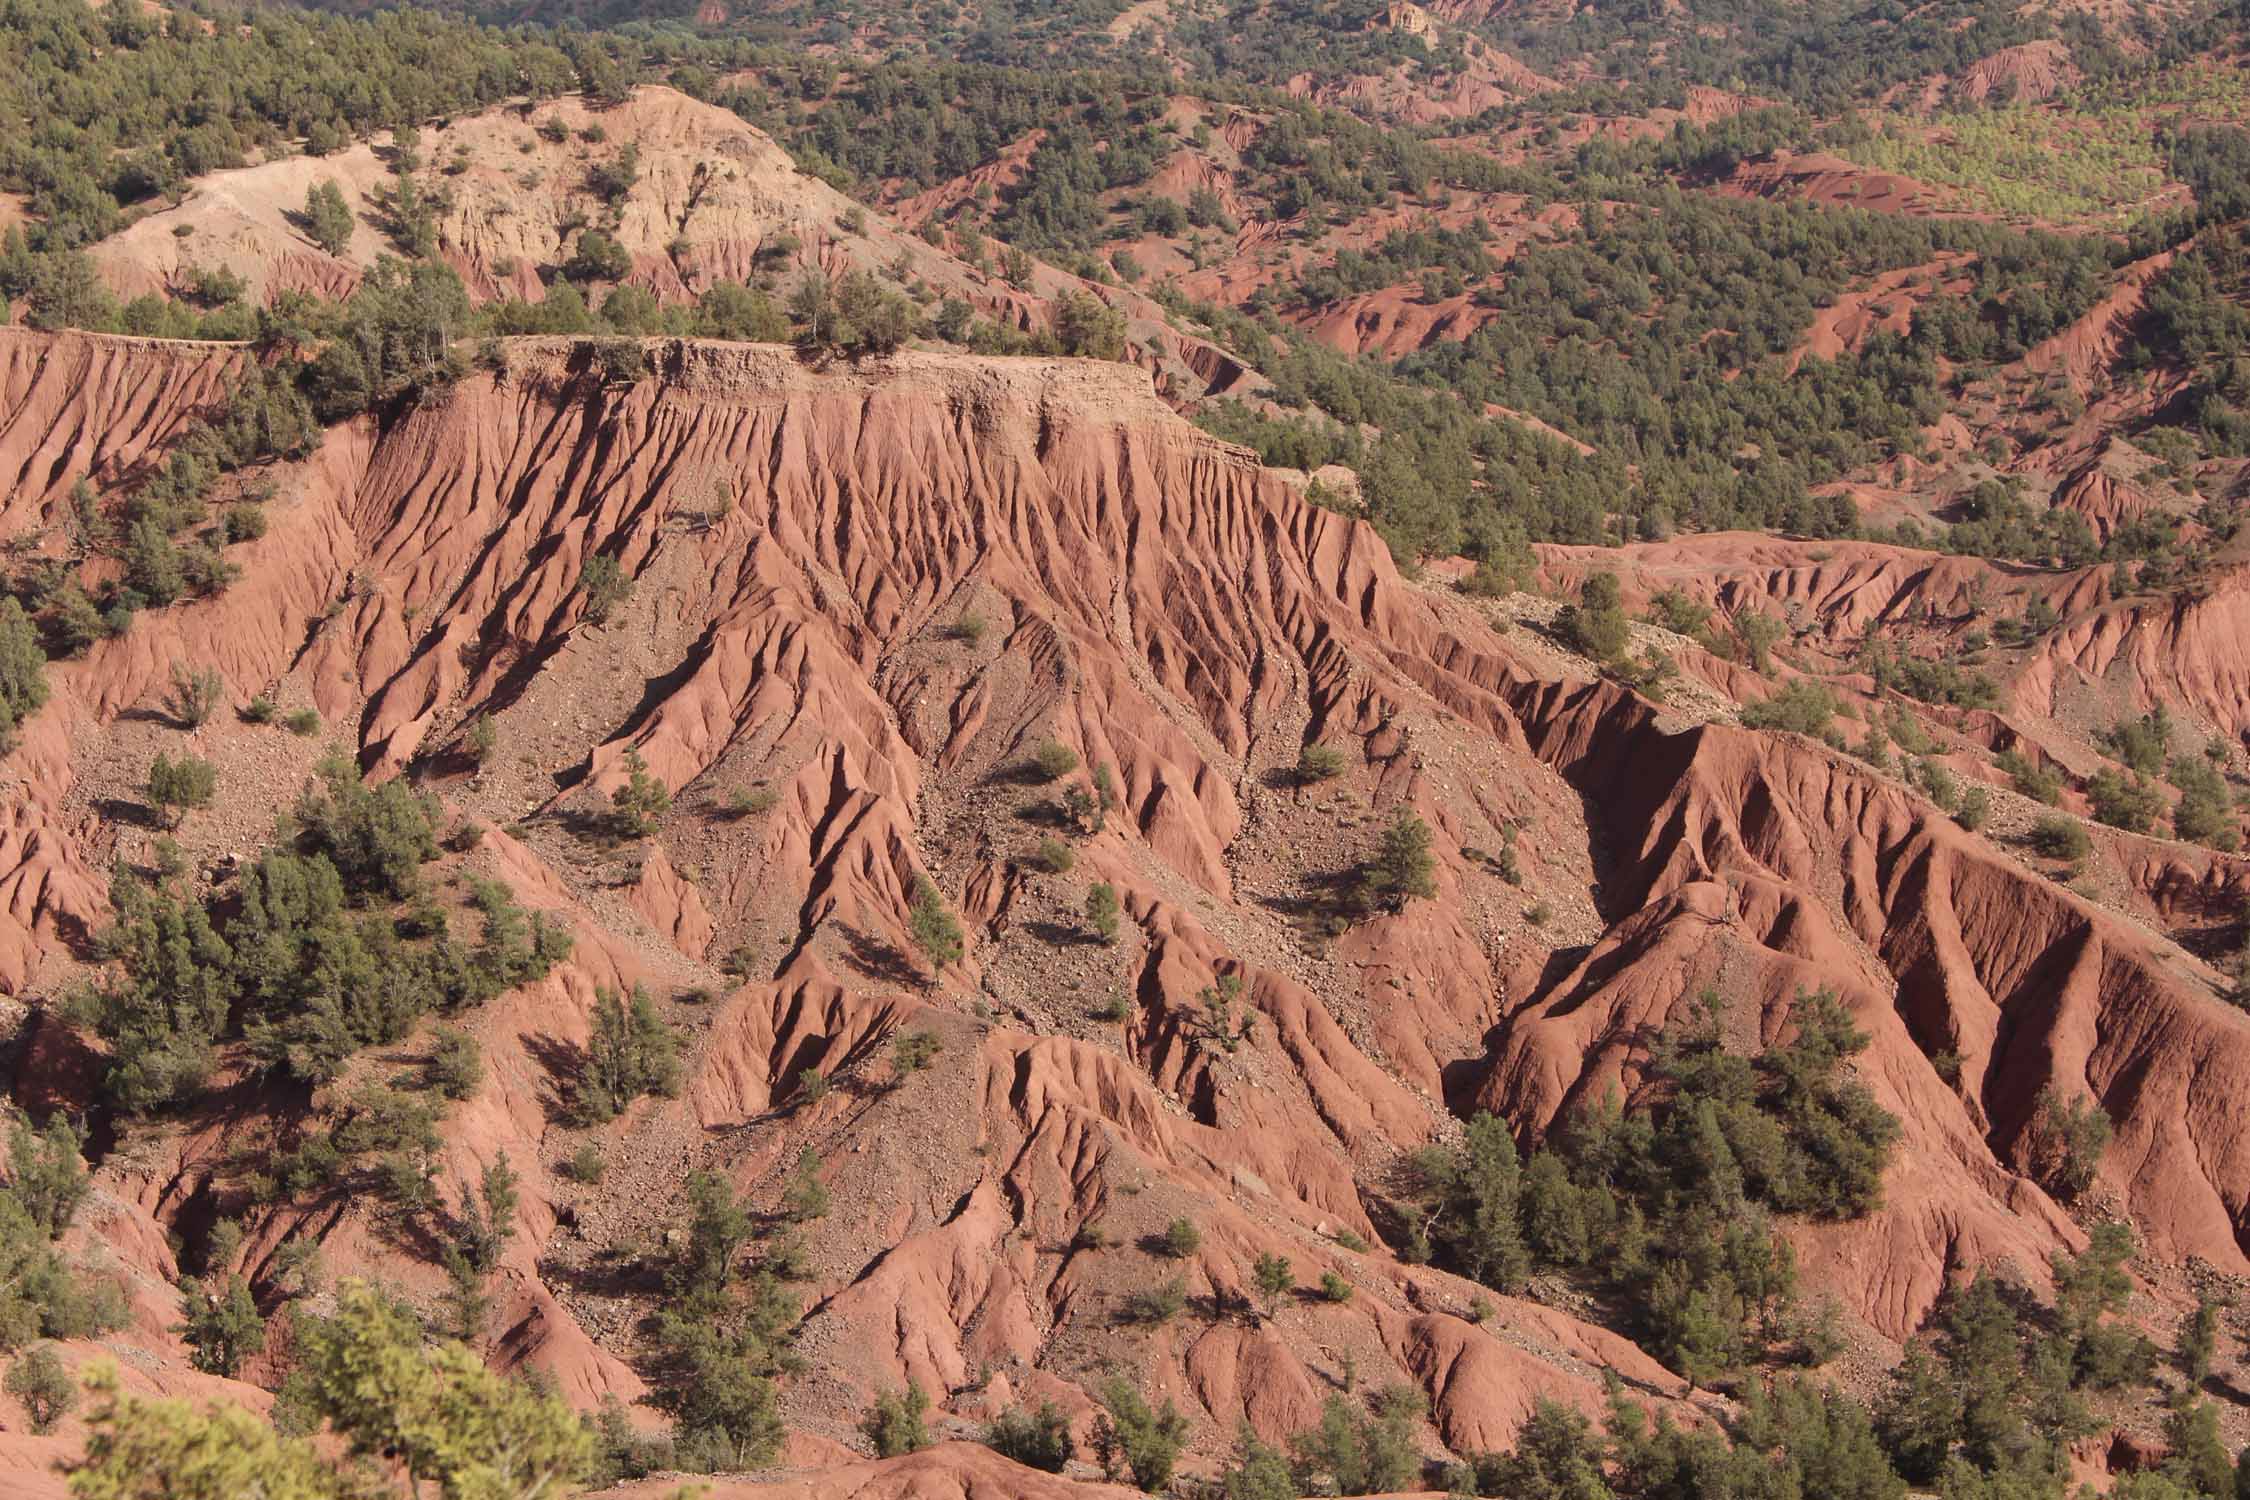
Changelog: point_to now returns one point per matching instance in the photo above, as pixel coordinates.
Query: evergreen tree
(220, 1323)
(23, 669)
(39, 1381)
(46, 1173)
(631, 1053)
(1036, 1439)
(438, 1414)
(806, 1197)
(640, 804)
(2197, 1459)
(1260, 1472)
(1403, 868)
(328, 218)
(1472, 1198)
(1089, 328)
(1275, 1279)
(176, 786)
(1362, 1452)
(1134, 1440)
(1596, 625)
(895, 1424)
(2199, 1338)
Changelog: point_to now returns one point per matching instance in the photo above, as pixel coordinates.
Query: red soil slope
(806, 544)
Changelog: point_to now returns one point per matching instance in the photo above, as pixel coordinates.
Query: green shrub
(895, 1425)
(2060, 837)
(47, 1174)
(1274, 1278)
(2068, 1138)
(934, 929)
(481, 739)
(220, 1323)
(377, 838)
(2131, 803)
(1036, 1439)
(1799, 706)
(631, 1053)
(913, 1051)
(743, 802)
(1054, 760)
(2144, 744)
(585, 1165)
(243, 523)
(1403, 869)
(1759, 634)
(1103, 912)
(639, 806)
(456, 1067)
(196, 692)
(1319, 762)
(1363, 1450)
(604, 584)
(1596, 625)
(39, 1381)
(176, 786)
(1157, 1306)
(2205, 812)
(2039, 783)
(1133, 1440)
(1937, 782)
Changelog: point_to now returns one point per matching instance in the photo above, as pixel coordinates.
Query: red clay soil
(2027, 74)
(809, 547)
(1819, 177)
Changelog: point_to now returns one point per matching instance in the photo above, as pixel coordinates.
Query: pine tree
(895, 1424)
(2198, 1459)
(1260, 1472)
(1275, 1279)
(439, 1414)
(640, 804)
(1132, 1439)
(47, 1174)
(1476, 1191)
(1554, 1212)
(45, 1388)
(152, 563)
(631, 1053)
(806, 1197)
(220, 1324)
(176, 786)
(23, 669)
(1596, 624)
(1403, 868)
(2199, 1338)
(328, 218)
